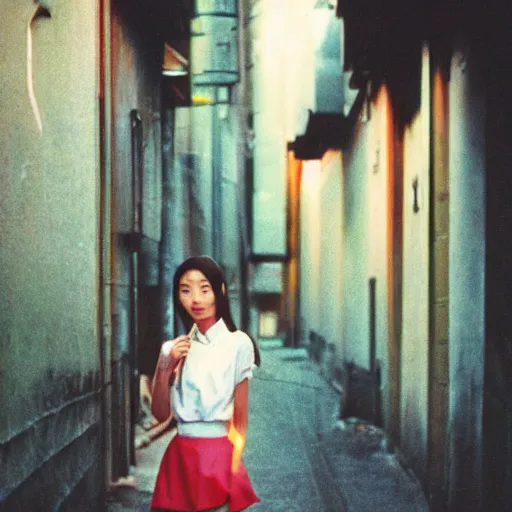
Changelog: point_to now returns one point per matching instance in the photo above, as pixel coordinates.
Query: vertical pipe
(373, 346)
(137, 170)
(217, 184)
(373, 342)
(105, 105)
(166, 246)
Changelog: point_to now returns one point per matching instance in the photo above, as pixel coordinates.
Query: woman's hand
(173, 351)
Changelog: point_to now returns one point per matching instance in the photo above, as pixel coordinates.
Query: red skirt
(195, 474)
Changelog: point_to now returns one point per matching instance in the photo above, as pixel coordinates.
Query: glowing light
(238, 441)
(201, 100)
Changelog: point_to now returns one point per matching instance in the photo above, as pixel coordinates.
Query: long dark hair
(217, 279)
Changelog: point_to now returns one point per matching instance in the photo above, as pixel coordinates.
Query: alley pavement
(299, 455)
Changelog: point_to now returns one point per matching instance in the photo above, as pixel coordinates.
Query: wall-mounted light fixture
(174, 63)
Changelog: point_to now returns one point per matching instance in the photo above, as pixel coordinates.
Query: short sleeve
(244, 359)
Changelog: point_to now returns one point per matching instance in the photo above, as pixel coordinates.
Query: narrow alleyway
(299, 457)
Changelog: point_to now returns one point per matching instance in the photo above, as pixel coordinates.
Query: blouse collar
(216, 331)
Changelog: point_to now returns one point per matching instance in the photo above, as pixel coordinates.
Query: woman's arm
(239, 422)
(161, 399)
(171, 353)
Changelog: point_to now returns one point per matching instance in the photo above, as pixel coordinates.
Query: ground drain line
(332, 497)
(327, 487)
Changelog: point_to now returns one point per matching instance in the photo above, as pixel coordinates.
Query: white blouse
(216, 362)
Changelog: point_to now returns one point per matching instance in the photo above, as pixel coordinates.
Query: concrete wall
(193, 159)
(136, 74)
(378, 203)
(415, 304)
(232, 131)
(466, 280)
(192, 185)
(355, 324)
(281, 31)
(329, 277)
(50, 449)
(309, 249)
(365, 239)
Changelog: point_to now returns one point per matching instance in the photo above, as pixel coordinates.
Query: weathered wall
(193, 160)
(466, 280)
(192, 188)
(364, 233)
(270, 28)
(50, 449)
(231, 132)
(355, 325)
(329, 272)
(309, 251)
(136, 68)
(377, 197)
(415, 304)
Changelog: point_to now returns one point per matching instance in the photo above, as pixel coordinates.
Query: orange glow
(439, 107)
(238, 441)
(440, 131)
(294, 177)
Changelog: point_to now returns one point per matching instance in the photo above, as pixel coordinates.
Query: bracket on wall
(415, 206)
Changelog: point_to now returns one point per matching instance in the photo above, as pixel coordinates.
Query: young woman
(202, 378)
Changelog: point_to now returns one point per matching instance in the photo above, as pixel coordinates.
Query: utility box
(214, 43)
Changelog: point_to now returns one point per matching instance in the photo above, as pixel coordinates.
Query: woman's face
(197, 297)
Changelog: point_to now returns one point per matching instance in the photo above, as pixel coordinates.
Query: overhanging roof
(326, 131)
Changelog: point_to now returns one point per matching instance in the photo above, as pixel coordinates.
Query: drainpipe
(137, 169)
(168, 219)
(105, 264)
(374, 369)
(217, 181)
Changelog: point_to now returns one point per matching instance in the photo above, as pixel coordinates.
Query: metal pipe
(217, 185)
(136, 242)
(373, 347)
(105, 264)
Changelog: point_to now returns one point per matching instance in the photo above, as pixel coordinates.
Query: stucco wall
(365, 228)
(136, 74)
(49, 393)
(272, 32)
(309, 240)
(329, 272)
(356, 248)
(415, 302)
(377, 197)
